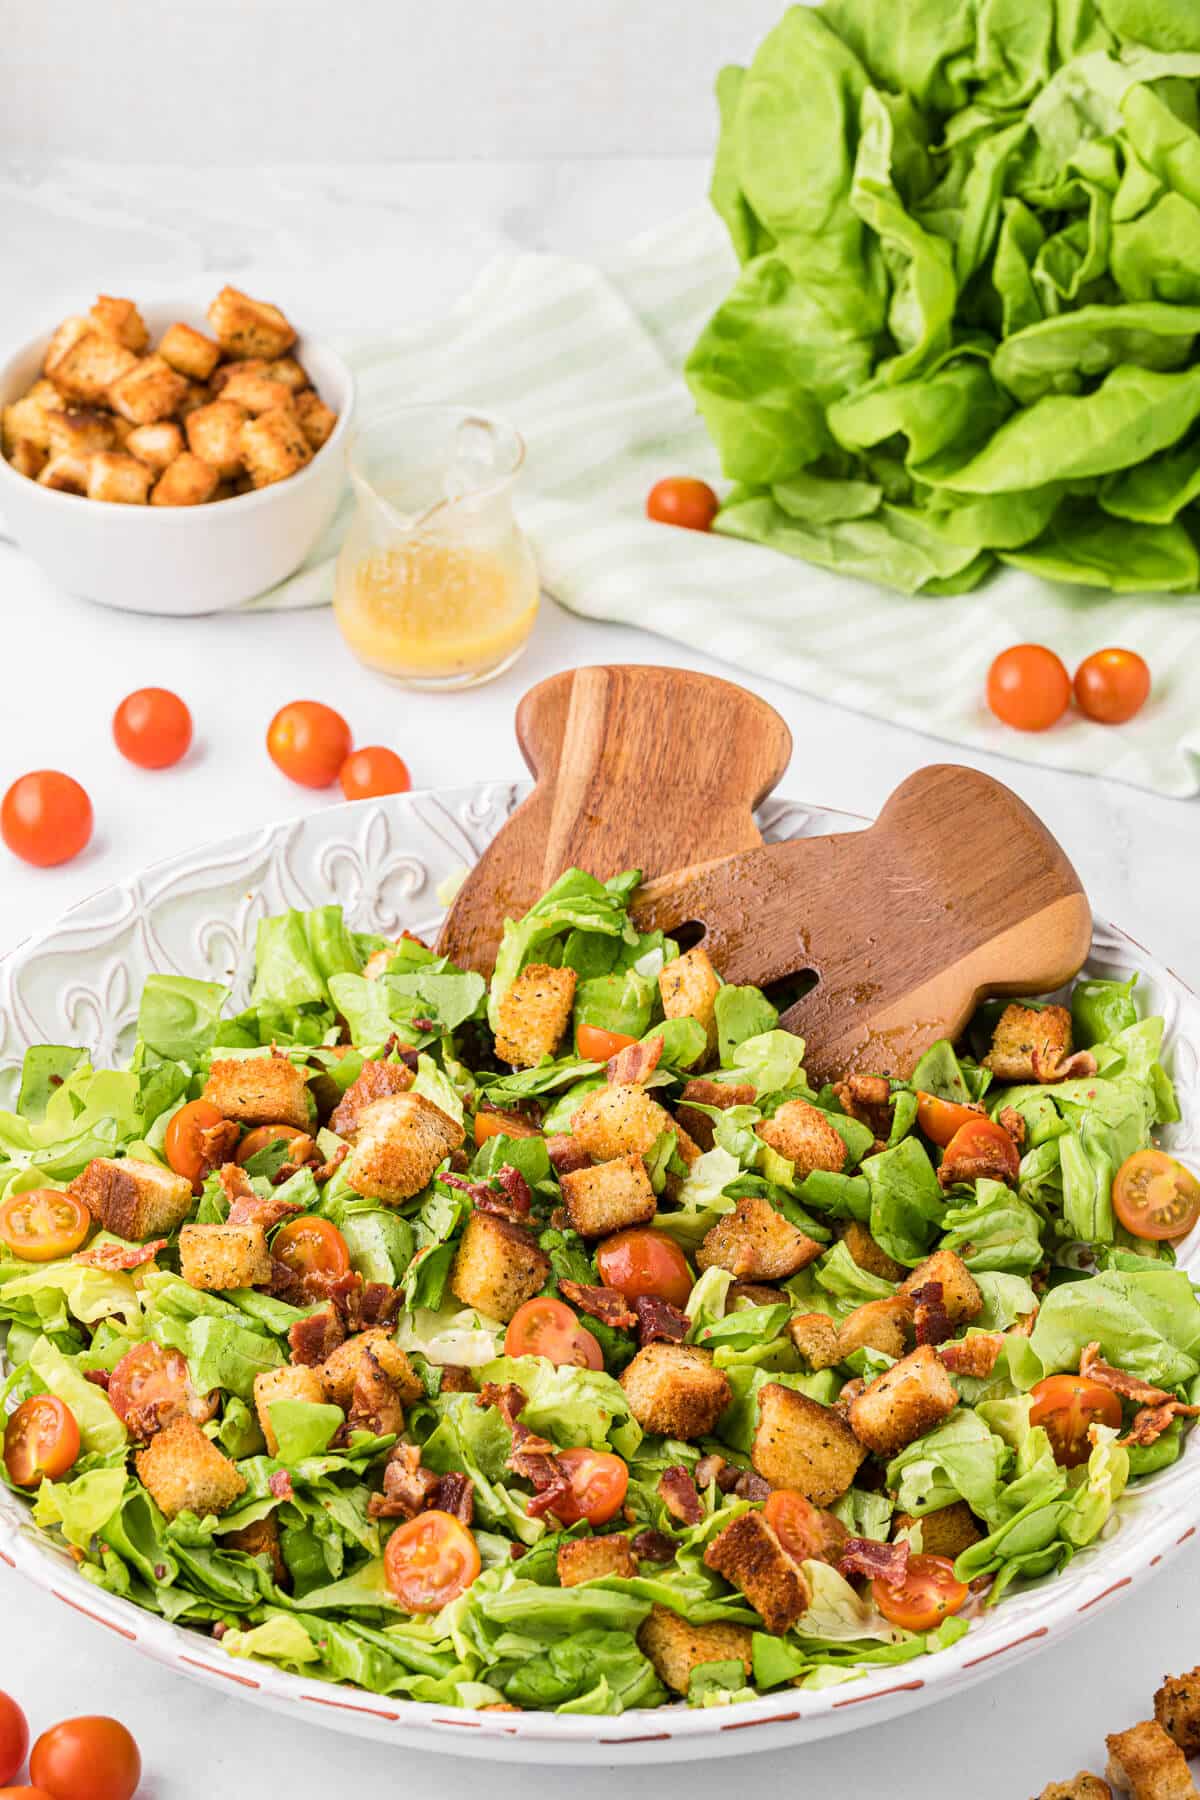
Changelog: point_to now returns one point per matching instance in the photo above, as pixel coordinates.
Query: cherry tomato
(599, 1483)
(1028, 687)
(46, 818)
(1111, 685)
(641, 1262)
(682, 500)
(14, 1737)
(301, 1147)
(43, 1224)
(502, 1124)
(151, 1376)
(87, 1759)
(309, 742)
(374, 771)
(546, 1327)
(25, 1793)
(977, 1137)
(1066, 1405)
(41, 1438)
(1156, 1197)
(802, 1528)
(152, 728)
(182, 1146)
(430, 1560)
(940, 1119)
(597, 1045)
(928, 1594)
(311, 1245)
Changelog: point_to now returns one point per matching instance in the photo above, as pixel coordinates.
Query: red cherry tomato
(374, 771)
(429, 1561)
(1112, 685)
(152, 728)
(43, 1224)
(682, 500)
(1156, 1197)
(87, 1759)
(599, 1483)
(1028, 687)
(596, 1045)
(501, 1124)
(940, 1119)
(546, 1327)
(41, 1438)
(311, 1245)
(46, 818)
(928, 1594)
(301, 1147)
(182, 1144)
(1067, 1405)
(979, 1136)
(14, 1737)
(309, 742)
(151, 1376)
(802, 1528)
(641, 1262)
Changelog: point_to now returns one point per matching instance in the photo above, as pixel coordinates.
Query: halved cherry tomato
(802, 1528)
(46, 818)
(41, 1438)
(374, 771)
(14, 1737)
(1111, 685)
(309, 742)
(43, 1224)
(430, 1560)
(682, 500)
(312, 1245)
(928, 1594)
(152, 728)
(1154, 1196)
(87, 1759)
(301, 1147)
(940, 1119)
(546, 1327)
(642, 1262)
(980, 1135)
(149, 1375)
(182, 1145)
(1028, 687)
(502, 1124)
(596, 1045)
(599, 1482)
(1067, 1405)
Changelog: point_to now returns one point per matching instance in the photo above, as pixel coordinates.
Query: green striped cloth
(585, 360)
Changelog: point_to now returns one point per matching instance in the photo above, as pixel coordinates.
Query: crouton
(798, 1443)
(199, 393)
(156, 445)
(1177, 1709)
(399, 1142)
(753, 1293)
(867, 1098)
(317, 421)
(184, 1472)
(757, 1243)
(28, 418)
(534, 1014)
(1024, 1036)
(260, 1090)
(750, 1556)
(618, 1119)
(884, 1325)
(260, 1539)
(214, 434)
(609, 1196)
(65, 474)
(293, 374)
(133, 1199)
(120, 320)
(256, 390)
(91, 367)
(674, 1389)
(497, 1267)
(294, 1381)
(189, 352)
(722, 1094)
(961, 1297)
(246, 327)
(591, 1558)
(374, 1081)
(676, 1648)
(185, 482)
(65, 336)
(274, 446)
(947, 1531)
(1082, 1787)
(1148, 1763)
(150, 390)
(869, 1255)
(815, 1337)
(903, 1403)
(689, 987)
(79, 431)
(339, 1371)
(803, 1135)
(27, 459)
(213, 1257)
(118, 478)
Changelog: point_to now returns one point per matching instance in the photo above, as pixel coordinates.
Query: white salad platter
(79, 982)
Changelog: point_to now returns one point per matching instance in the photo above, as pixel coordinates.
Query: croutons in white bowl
(180, 558)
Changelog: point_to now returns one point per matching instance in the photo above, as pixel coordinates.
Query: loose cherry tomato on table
(151, 1376)
(928, 1594)
(430, 1560)
(547, 1327)
(501, 1124)
(599, 1482)
(982, 1136)
(43, 1224)
(1067, 1406)
(41, 1438)
(182, 1143)
(802, 1528)
(373, 771)
(46, 818)
(682, 500)
(1028, 687)
(309, 742)
(940, 1119)
(301, 1147)
(639, 1262)
(152, 728)
(1156, 1197)
(14, 1737)
(311, 1246)
(87, 1759)
(597, 1045)
(1111, 686)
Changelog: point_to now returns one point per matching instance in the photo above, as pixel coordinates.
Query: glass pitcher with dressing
(436, 584)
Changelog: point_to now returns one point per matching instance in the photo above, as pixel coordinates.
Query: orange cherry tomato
(41, 1438)
(802, 1528)
(974, 1138)
(309, 742)
(25, 1793)
(430, 1560)
(151, 1376)
(182, 1145)
(43, 1224)
(682, 500)
(596, 1045)
(374, 771)
(1028, 687)
(46, 818)
(501, 1124)
(547, 1327)
(599, 1482)
(311, 1245)
(940, 1119)
(1067, 1406)
(1156, 1197)
(14, 1737)
(640, 1262)
(928, 1594)
(152, 728)
(1112, 685)
(87, 1759)
(301, 1147)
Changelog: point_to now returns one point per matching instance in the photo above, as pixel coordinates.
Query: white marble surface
(67, 664)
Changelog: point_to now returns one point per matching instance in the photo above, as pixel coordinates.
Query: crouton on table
(1148, 1763)
(676, 1648)
(903, 1403)
(533, 1014)
(675, 1389)
(1177, 1709)
(399, 1143)
(591, 1558)
(260, 1090)
(750, 1556)
(339, 1371)
(609, 1196)
(1023, 1033)
(803, 1135)
(294, 1381)
(689, 987)
(246, 327)
(756, 1243)
(1081, 1787)
(133, 1199)
(184, 1472)
(798, 1443)
(213, 1257)
(497, 1267)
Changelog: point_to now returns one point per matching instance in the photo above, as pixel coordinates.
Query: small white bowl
(179, 559)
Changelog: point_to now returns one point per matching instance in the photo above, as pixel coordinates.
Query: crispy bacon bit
(1049, 1069)
(236, 1183)
(652, 1546)
(317, 1336)
(478, 1191)
(714, 1468)
(750, 1486)
(984, 1161)
(406, 1485)
(678, 1493)
(534, 1460)
(456, 1379)
(599, 1303)
(512, 1203)
(929, 1314)
(120, 1256)
(375, 1082)
(1014, 1124)
(454, 1494)
(217, 1144)
(565, 1154)
(867, 1098)
(1025, 1324)
(659, 1322)
(634, 1063)
(325, 1171)
(883, 1562)
(98, 1377)
(510, 1399)
(374, 1303)
(313, 1286)
(255, 1209)
(1149, 1422)
(975, 1355)
(1130, 1387)
(516, 1187)
(280, 1484)
(375, 1404)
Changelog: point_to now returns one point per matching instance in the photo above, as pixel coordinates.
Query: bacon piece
(1130, 1387)
(454, 1494)
(565, 1154)
(324, 1172)
(678, 1493)
(375, 1404)
(485, 1199)
(652, 1546)
(1053, 1068)
(659, 1322)
(317, 1336)
(120, 1256)
(375, 1082)
(932, 1321)
(280, 1484)
(714, 1468)
(516, 1188)
(884, 1562)
(314, 1286)
(406, 1485)
(257, 1209)
(510, 1399)
(236, 1183)
(98, 1377)
(374, 1303)
(1149, 1422)
(722, 1094)
(975, 1355)
(217, 1145)
(533, 1458)
(867, 1098)
(750, 1486)
(987, 1160)
(599, 1303)
(1014, 1124)
(1025, 1324)
(635, 1062)
(456, 1379)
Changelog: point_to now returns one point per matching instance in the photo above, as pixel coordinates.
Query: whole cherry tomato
(682, 500)
(640, 1262)
(928, 1594)
(596, 1045)
(599, 1482)
(1112, 685)
(14, 1737)
(40, 1439)
(1028, 687)
(87, 1759)
(547, 1327)
(373, 771)
(152, 728)
(1067, 1406)
(46, 818)
(430, 1560)
(1154, 1196)
(309, 742)
(43, 1224)
(182, 1143)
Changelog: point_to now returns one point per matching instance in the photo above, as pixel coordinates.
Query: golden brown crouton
(294, 1381)
(498, 1266)
(260, 1090)
(609, 1196)
(150, 390)
(156, 445)
(674, 1389)
(618, 1119)
(1177, 1709)
(903, 1403)
(676, 1648)
(189, 352)
(689, 988)
(246, 327)
(748, 1554)
(878, 1325)
(803, 1135)
(534, 1014)
(65, 474)
(121, 320)
(869, 1255)
(133, 1199)
(255, 389)
(259, 1539)
(118, 478)
(1148, 1763)
(185, 482)
(815, 1337)
(292, 373)
(375, 1081)
(961, 1297)
(867, 1098)
(722, 1094)
(591, 1558)
(214, 434)
(947, 1531)
(91, 367)
(27, 459)
(273, 445)
(79, 431)
(65, 335)
(399, 1143)
(339, 1371)
(199, 393)
(752, 1293)
(28, 418)
(317, 421)
(213, 1257)
(1082, 1787)
(1025, 1038)
(184, 1472)
(803, 1445)
(756, 1243)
